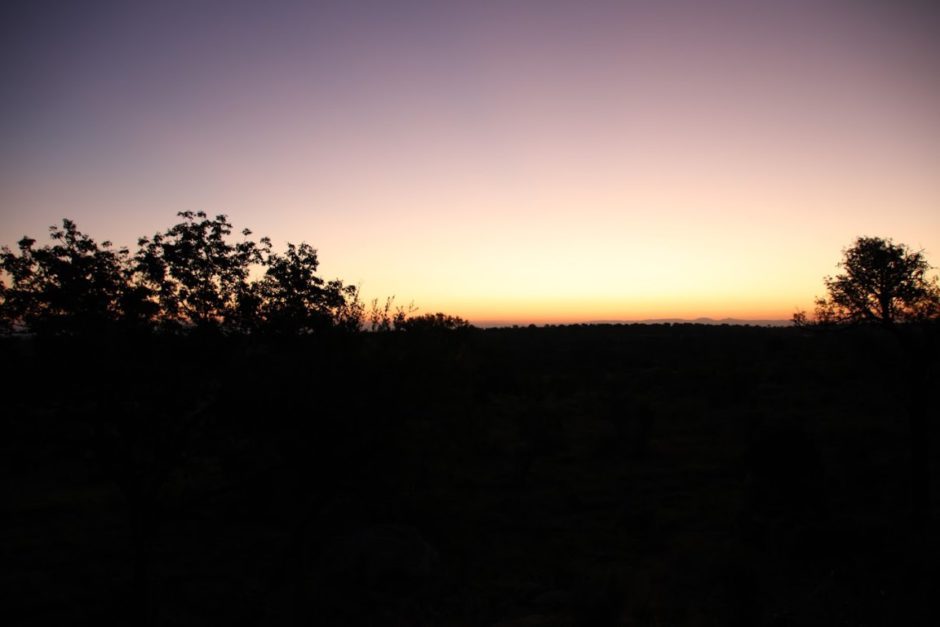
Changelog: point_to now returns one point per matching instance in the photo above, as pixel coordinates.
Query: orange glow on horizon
(521, 162)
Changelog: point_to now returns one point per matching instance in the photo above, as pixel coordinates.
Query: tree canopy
(73, 284)
(882, 282)
(191, 276)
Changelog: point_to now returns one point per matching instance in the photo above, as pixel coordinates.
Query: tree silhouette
(293, 299)
(73, 285)
(189, 277)
(198, 276)
(882, 282)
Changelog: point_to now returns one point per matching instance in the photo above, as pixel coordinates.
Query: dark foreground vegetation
(596, 475)
(203, 432)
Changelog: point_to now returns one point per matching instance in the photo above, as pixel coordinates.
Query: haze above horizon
(516, 162)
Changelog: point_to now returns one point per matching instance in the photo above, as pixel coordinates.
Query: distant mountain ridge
(734, 321)
(703, 320)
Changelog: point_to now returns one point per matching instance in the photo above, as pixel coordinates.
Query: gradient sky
(513, 161)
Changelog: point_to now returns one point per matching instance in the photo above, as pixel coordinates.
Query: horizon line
(702, 320)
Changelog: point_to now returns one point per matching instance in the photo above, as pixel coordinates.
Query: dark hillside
(576, 475)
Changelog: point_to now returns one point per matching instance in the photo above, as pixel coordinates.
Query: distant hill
(711, 321)
(735, 321)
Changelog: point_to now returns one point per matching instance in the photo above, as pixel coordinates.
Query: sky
(515, 161)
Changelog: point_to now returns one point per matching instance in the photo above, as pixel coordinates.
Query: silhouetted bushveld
(584, 475)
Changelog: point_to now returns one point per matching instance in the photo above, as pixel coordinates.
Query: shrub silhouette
(433, 322)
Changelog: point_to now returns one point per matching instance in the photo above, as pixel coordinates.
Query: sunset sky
(507, 161)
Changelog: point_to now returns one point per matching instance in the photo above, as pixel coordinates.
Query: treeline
(190, 278)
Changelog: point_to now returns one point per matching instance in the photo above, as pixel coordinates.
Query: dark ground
(604, 475)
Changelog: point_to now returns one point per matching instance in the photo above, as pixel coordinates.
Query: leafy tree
(73, 285)
(201, 279)
(882, 282)
(191, 276)
(293, 299)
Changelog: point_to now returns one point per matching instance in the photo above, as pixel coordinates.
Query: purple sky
(497, 160)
